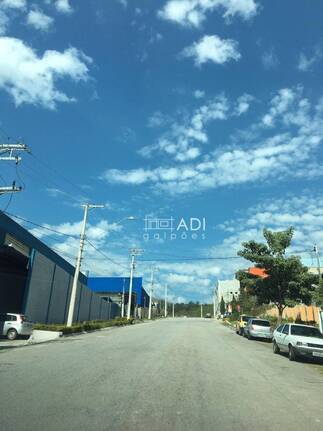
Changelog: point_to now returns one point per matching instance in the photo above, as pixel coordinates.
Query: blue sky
(168, 109)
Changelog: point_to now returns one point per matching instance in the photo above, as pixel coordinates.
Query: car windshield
(261, 323)
(306, 331)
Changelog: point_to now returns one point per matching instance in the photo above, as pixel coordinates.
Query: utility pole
(166, 300)
(7, 154)
(122, 300)
(86, 207)
(134, 252)
(214, 304)
(173, 310)
(316, 251)
(201, 311)
(153, 269)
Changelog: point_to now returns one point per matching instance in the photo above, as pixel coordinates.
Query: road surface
(182, 374)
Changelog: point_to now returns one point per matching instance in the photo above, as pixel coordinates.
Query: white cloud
(243, 104)
(4, 21)
(214, 49)
(306, 63)
(199, 94)
(63, 6)
(158, 119)
(5, 7)
(31, 79)
(124, 3)
(182, 140)
(269, 59)
(193, 12)
(279, 105)
(13, 4)
(303, 211)
(40, 21)
(289, 151)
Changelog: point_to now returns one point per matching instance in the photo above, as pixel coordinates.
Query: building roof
(257, 272)
(113, 285)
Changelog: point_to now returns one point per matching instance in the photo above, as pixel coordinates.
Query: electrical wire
(57, 173)
(41, 226)
(107, 257)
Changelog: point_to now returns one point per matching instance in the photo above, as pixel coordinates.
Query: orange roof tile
(258, 272)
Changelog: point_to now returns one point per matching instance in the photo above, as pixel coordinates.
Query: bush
(84, 326)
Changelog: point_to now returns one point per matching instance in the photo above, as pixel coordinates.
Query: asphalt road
(182, 374)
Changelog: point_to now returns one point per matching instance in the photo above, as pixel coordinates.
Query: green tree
(222, 306)
(288, 281)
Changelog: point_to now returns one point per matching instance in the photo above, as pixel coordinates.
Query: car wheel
(12, 334)
(250, 337)
(276, 349)
(291, 353)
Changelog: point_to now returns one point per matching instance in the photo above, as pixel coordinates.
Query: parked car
(241, 323)
(298, 341)
(208, 316)
(13, 325)
(258, 328)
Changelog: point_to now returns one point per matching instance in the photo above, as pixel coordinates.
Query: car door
(7, 324)
(285, 338)
(278, 335)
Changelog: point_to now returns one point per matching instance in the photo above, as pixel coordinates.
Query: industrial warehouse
(37, 282)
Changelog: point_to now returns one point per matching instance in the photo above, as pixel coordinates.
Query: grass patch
(83, 326)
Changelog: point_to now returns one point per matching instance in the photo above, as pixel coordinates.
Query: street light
(87, 208)
(70, 315)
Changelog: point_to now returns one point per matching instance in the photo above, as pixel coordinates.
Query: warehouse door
(13, 277)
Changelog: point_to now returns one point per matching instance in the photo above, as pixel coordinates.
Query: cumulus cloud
(30, 78)
(199, 94)
(269, 59)
(305, 63)
(287, 152)
(13, 4)
(124, 3)
(3, 22)
(63, 6)
(211, 48)
(5, 7)
(182, 141)
(303, 211)
(193, 12)
(39, 20)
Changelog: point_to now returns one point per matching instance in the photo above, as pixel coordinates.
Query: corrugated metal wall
(48, 295)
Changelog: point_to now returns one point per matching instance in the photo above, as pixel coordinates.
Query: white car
(298, 341)
(13, 325)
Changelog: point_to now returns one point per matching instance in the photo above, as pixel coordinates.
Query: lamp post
(86, 207)
(134, 252)
(153, 269)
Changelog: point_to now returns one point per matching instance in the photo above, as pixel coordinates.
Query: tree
(222, 306)
(288, 281)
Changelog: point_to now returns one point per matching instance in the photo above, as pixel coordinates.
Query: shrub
(84, 326)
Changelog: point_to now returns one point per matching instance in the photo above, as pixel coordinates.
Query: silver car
(13, 325)
(258, 328)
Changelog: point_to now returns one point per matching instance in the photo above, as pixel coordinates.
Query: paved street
(182, 374)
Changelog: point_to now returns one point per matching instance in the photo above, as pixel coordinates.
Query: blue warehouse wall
(48, 279)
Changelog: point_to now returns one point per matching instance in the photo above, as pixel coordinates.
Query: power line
(56, 172)
(41, 226)
(107, 257)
